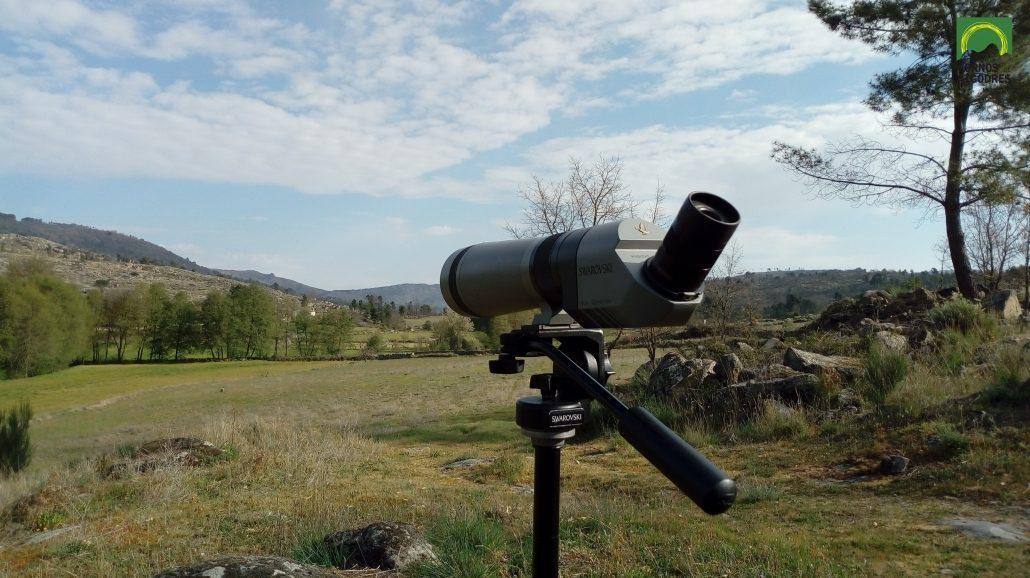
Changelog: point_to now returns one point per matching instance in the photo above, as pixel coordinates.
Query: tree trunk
(953, 189)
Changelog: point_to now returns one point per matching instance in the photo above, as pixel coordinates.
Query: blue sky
(354, 144)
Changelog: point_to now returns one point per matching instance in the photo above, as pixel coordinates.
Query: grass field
(317, 446)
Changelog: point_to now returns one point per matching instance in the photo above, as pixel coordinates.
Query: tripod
(580, 368)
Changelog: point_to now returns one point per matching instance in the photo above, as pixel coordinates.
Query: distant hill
(276, 281)
(420, 293)
(110, 244)
(87, 269)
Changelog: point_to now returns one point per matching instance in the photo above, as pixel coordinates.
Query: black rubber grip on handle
(701, 480)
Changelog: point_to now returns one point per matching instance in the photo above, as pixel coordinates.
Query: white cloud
(440, 230)
(399, 95)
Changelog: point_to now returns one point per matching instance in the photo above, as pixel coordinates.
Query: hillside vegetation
(112, 244)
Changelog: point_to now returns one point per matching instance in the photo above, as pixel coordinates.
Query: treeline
(242, 323)
(47, 324)
(388, 314)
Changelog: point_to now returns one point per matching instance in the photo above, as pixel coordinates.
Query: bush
(884, 370)
(965, 317)
(452, 333)
(375, 344)
(15, 447)
(1010, 379)
(776, 422)
(954, 350)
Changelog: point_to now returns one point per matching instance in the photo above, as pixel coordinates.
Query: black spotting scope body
(629, 273)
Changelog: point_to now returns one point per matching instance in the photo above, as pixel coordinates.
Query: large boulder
(1004, 303)
(668, 373)
(848, 368)
(384, 545)
(729, 369)
(250, 567)
(890, 341)
(778, 383)
(673, 374)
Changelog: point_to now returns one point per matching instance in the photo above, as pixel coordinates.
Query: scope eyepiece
(693, 243)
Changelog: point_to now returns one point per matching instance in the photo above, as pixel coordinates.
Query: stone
(182, 451)
(848, 400)
(467, 463)
(41, 537)
(699, 371)
(250, 567)
(987, 530)
(1004, 303)
(668, 373)
(729, 368)
(743, 347)
(772, 343)
(643, 373)
(749, 398)
(383, 545)
(891, 341)
(816, 364)
(893, 465)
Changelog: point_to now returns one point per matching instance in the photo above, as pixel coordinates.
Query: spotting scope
(629, 273)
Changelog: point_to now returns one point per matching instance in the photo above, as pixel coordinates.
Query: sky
(357, 144)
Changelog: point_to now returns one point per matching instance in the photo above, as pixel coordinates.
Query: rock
(891, 341)
(49, 534)
(467, 463)
(699, 371)
(183, 451)
(384, 545)
(742, 346)
(808, 362)
(876, 305)
(893, 465)
(643, 373)
(848, 400)
(867, 327)
(987, 530)
(728, 369)
(669, 373)
(1005, 303)
(748, 398)
(250, 567)
(772, 343)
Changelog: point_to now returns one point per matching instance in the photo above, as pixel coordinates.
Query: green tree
(44, 322)
(153, 303)
(935, 96)
(336, 327)
(452, 333)
(250, 324)
(120, 316)
(215, 314)
(180, 325)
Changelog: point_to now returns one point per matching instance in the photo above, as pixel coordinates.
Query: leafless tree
(996, 238)
(588, 196)
(653, 337)
(730, 295)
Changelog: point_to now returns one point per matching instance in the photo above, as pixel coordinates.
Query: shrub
(963, 316)
(944, 441)
(954, 349)
(776, 422)
(15, 447)
(452, 333)
(884, 370)
(375, 344)
(1010, 379)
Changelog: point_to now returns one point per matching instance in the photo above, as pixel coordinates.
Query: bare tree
(730, 295)
(588, 196)
(653, 337)
(995, 238)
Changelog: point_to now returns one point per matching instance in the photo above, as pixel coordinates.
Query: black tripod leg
(546, 500)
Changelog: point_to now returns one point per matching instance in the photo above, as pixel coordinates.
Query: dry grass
(323, 446)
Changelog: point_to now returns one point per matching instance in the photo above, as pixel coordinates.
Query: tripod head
(580, 370)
